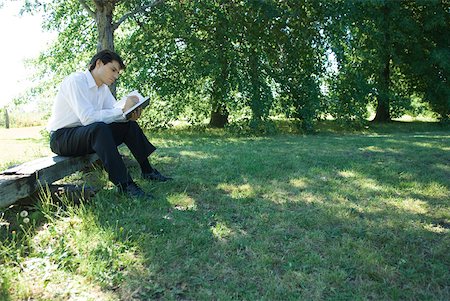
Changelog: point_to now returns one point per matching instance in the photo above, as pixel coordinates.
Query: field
(21, 144)
(332, 216)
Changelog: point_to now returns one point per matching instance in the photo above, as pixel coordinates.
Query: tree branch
(134, 12)
(87, 8)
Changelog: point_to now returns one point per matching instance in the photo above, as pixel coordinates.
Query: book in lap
(143, 103)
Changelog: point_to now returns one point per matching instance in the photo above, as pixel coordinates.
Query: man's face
(108, 73)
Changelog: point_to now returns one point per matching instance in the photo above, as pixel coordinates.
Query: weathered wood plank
(23, 180)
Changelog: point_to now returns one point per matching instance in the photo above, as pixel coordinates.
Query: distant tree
(228, 60)
(188, 51)
(388, 51)
(425, 55)
(6, 117)
(297, 59)
(177, 51)
(361, 38)
(230, 53)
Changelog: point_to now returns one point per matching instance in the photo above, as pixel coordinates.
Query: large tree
(230, 60)
(297, 59)
(360, 34)
(83, 26)
(192, 48)
(233, 53)
(103, 12)
(387, 51)
(182, 51)
(425, 56)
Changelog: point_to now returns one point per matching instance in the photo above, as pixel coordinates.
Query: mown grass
(18, 145)
(332, 216)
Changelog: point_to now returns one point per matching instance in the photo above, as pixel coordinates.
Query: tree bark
(103, 15)
(219, 117)
(383, 100)
(383, 103)
(6, 118)
(220, 89)
(104, 19)
(219, 112)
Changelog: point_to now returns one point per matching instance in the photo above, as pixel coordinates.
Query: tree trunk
(220, 89)
(104, 20)
(219, 112)
(6, 118)
(256, 101)
(103, 15)
(219, 117)
(383, 102)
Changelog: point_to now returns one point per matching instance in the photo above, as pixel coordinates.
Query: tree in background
(297, 59)
(230, 61)
(208, 36)
(253, 44)
(201, 49)
(386, 54)
(182, 51)
(425, 58)
(4, 112)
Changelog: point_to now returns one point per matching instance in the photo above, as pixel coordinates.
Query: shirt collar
(90, 79)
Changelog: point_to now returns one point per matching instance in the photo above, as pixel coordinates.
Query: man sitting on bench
(85, 121)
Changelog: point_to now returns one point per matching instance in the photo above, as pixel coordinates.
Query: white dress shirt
(81, 102)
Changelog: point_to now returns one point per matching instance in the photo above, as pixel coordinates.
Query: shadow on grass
(287, 217)
(284, 218)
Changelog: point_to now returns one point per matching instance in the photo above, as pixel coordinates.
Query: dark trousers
(103, 139)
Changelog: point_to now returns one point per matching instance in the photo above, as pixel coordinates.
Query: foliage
(384, 51)
(247, 61)
(426, 56)
(70, 20)
(297, 60)
(226, 53)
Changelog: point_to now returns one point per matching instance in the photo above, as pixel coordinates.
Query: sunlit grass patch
(40, 279)
(195, 154)
(182, 201)
(299, 183)
(285, 217)
(68, 246)
(18, 145)
(221, 231)
(347, 174)
(238, 191)
(413, 206)
(435, 189)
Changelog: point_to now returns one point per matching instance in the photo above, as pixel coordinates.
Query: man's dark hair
(106, 56)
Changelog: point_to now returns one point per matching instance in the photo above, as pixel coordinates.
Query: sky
(21, 37)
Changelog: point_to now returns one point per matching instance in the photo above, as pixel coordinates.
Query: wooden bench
(21, 181)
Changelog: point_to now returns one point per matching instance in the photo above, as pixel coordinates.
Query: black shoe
(133, 190)
(155, 176)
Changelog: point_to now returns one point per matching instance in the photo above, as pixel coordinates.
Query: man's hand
(136, 114)
(130, 102)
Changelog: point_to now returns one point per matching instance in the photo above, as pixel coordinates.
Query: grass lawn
(21, 144)
(347, 216)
